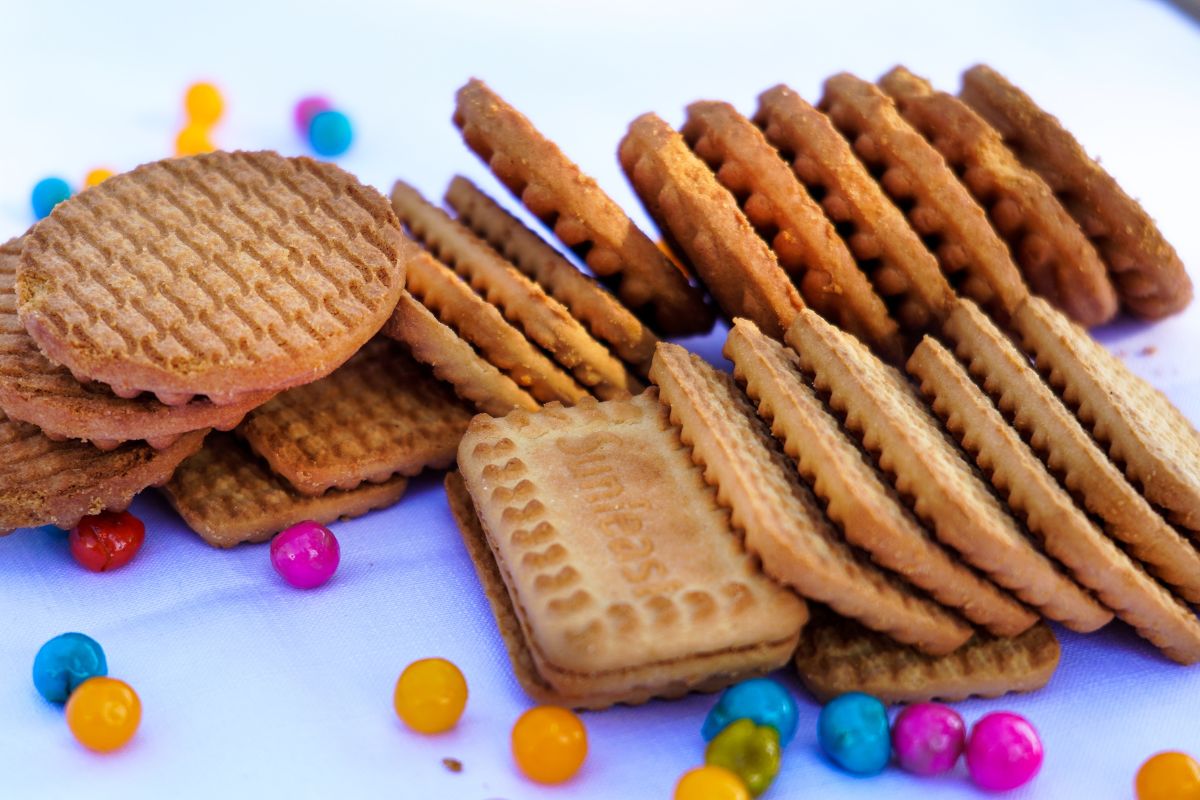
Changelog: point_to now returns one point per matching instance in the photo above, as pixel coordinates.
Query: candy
(106, 541)
(430, 695)
(928, 738)
(1003, 752)
(104, 714)
(47, 193)
(64, 662)
(549, 744)
(750, 751)
(710, 783)
(330, 133)
(763, 700)
(203, 104)
(853, 731)
(306, 555)
(1168, 776)
(193, 140)
(308, 108)
(97, 177)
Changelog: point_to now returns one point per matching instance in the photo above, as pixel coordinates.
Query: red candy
(107, 541)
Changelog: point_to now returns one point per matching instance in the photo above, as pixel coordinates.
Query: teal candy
(762, 700)
(330, 133)
(853, 731)
(47, 193)
(64, 662)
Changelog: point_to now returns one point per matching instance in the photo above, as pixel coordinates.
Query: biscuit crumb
(1148, 350)
(452, 764)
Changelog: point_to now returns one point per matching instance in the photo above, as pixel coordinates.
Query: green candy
(750, 751)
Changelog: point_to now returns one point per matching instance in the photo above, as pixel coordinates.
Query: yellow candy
(431, 695)
(193, 140)
(97, 176)
(204, 105)
(104, 713)
(711, 783)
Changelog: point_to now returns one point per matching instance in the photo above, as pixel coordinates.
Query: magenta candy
(305, 555)
(1003, 752)
(308, 108)
(928, 738)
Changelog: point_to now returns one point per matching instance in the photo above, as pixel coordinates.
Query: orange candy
(193, 140)
(97, 176)
(104, 714)
(1169, 776)
(431, 695)
(549, 744)
(203, 104)
(710, 783)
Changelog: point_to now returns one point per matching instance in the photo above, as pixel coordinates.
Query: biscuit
(380, 414)
(1047, 510)
(919, 181)
(867, 510)
(579, 212)
(1150, 279)
(1070, 452)
(704, 222)
(783, 213)
(218, 275)
(522, 302)
(1142, 431)
(622, 570)
(479, 322)
(454, 360)
(228, 496)
(43, 482)
(888, 250)
(838, 656)
(783, 523)
(37, 391)
(600, 312)
(926, 467)
(1055, 257)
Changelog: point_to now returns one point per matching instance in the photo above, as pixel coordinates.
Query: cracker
(783, 523)
(579, 212)
(1065, 532)
(903, 271)
(522, 302)
(228, 496)
(602, 314)
(1150, 279)
(622, 570)
(924, 464)
(1143, 432)
(43, 482)
(866, 508)
(1070, 452)
(1055, 257)
(380, 414)
(838, 656)
(704, 222)
(219, 274)
(918, 180)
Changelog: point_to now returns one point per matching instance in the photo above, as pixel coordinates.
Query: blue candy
(64, 662)
(330, 133)
(761, 700)
(853, 731)
(47, 193)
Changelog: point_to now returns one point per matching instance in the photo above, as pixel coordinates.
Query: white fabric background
(252, 689)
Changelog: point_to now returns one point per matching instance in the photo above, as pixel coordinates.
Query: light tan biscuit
(579, 212)
(219, 274)
(1148, 274)
(903, 271)
(621, 568)
(454, 360)
(591, 304)
(1047, 510)
(924, 464)
(1145, 434)
(1069, 451)
(43, 482)
(522, 302)
(838, 656)
(919, 181)
(704, 222)
(783, 523)
(1055, 257)
(380, 414)
(228, 496)
(867, 509)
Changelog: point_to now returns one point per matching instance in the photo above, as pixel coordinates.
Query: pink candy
(308, 108)
(1003, 752)
(928, 738)
(305, 555)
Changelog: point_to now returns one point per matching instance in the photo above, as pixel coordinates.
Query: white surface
(252, 689)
